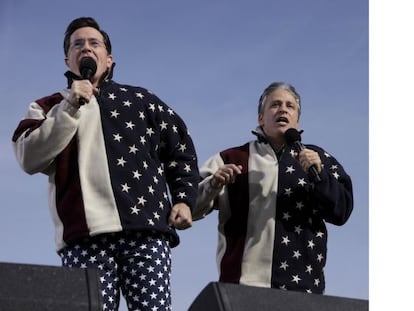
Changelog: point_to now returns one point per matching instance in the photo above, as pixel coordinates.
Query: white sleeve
(206, 199)
(45, 135)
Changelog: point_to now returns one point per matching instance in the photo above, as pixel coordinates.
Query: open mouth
(282, 121)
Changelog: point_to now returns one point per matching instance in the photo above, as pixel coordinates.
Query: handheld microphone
(292, 137)
(87, 69)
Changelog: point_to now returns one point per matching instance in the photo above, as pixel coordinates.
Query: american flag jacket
(116, 164)
(272, 229)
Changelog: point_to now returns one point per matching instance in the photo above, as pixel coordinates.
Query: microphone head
(292, 135)
(87, 67)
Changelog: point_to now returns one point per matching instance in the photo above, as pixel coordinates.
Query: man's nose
(283, 108)
(86, 46)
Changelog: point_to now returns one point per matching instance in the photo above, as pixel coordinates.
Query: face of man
(280, 111)
(88, 42)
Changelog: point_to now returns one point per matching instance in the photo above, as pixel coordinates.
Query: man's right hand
(80, 89)
(225, 175)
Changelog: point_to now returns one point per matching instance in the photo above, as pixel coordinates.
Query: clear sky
(208, 60)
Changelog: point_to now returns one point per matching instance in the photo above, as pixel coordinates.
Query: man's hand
(81, 89)
(307, 158)
(180, 216)
(225, 175)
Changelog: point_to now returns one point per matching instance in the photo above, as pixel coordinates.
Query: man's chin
(283, 127)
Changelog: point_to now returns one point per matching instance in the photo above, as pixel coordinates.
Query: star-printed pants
(136, 263)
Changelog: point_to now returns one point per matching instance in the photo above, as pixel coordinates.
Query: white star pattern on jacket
(147, 144)
(291, 218)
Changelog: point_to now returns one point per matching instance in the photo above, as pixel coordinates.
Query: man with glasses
(122, 173)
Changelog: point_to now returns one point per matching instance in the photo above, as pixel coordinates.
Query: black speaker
(233, 297)
(26, 287)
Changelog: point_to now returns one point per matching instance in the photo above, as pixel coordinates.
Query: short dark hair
(275, 86)
(84, 22)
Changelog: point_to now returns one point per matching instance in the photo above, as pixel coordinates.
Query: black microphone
(292, 137)
(87, 69)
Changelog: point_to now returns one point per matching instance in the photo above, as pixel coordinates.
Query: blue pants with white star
(136, 263)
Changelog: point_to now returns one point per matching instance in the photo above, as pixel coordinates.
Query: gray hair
(275, 86)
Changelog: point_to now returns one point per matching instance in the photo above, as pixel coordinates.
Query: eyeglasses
(80, 43)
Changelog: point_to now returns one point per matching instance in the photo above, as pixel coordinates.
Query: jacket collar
(261, 137)
(72, 76)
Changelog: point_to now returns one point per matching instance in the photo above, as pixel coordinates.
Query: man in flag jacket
(272, 212)
(122, 172)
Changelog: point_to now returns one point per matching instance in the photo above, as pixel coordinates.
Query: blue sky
(209, 61)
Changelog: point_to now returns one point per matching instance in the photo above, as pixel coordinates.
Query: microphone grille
(87, 64)
(292, 135)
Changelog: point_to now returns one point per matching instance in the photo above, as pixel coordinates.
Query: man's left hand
(180, 216)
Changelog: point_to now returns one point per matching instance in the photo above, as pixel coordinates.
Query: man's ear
(109, 61)
(260, 119)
